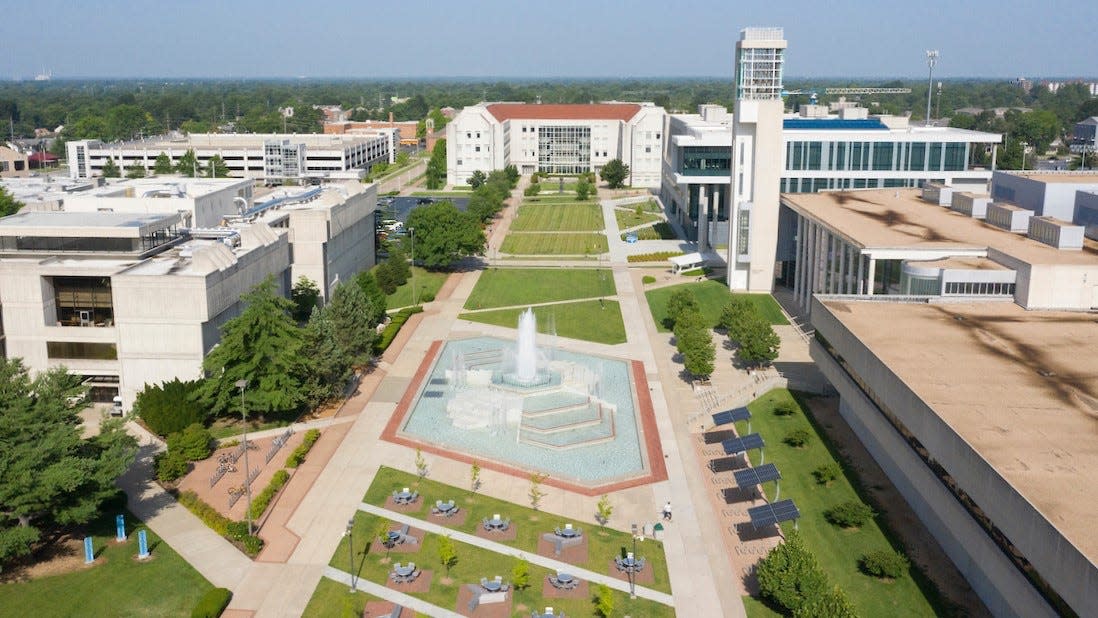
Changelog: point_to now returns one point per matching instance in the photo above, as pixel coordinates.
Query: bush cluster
(692, 336)
(648, 279)
(170, 466)
(849, 514)
(791, 578)
(194, 443)
(398, 320)
(785, 408)
(212, 603)
(745, 325)
(826, 473)
(169, 407)
(797, 438)
(657, 256)
(885, 563)
(214, 521)
(298, 456)
(261, 501)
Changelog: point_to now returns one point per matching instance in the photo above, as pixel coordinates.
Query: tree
(194, 443)
(163, 164)
(604, 510)
(447, 553)
(829, 604)
(421, 464)
(188, 165)
(49, 476)
(305, 296)
(583, 189)
(512, 174)
(444, 234)
(328, 368)
(476, 179)
(736, 315)
(135, 171)
(759, 344)
(536, 493)
(398, 262)
(169, 407)
(604, 601)
(474, 477)
(614, 173)
(436, 166)
(520, 574)
(216, 168)
(370, 288)
(110, 169)
(680, 301)
(8, 204)
(790, 576)
(694, 342)
(353, 333)
(262, 345)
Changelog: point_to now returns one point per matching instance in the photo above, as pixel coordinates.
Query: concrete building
(272, 158)
(129, 283)
(556, 139)
(406, 129)
(1084, 136)
(13, 163)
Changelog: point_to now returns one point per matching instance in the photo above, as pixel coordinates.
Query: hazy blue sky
(514, 38)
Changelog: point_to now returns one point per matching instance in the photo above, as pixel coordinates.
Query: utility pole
(931, 60)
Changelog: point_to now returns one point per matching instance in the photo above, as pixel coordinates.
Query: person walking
(667, 511)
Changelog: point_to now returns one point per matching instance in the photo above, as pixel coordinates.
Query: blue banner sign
(142, 545)
(89, 555)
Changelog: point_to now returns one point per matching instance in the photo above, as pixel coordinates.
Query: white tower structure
(757, 152)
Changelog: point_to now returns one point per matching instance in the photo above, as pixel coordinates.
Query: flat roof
(1020, 387)
(114, 224)
(563, 111)
(962, 263)
(245, 140)
(1075, 177)
(899, 218)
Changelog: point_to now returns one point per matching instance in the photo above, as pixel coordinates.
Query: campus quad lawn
(658, 231)
(504, 287)
(558, 218)
(473, 563)
(603, 543)
(630, 218)
(428, 284)
(712, 297)
(115, 585)
(838, 550)
(333, 599)
(589, 320)
(554, 244)
(554, 198)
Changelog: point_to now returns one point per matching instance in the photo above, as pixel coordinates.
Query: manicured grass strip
(630, 218)
(546, 198)
(115, 585)
(558, 218)
(473, 563)
(427, 283)
(837, 550)
(554, 244)
(332, 599)
(504, 287)
(603, 543)
(589, 320)
(757, 609)
(712, 297)
(658, 231)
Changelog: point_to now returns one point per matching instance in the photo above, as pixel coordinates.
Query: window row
(972, 288)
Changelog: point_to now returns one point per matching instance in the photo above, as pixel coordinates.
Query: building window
(81, 350)
(743, 235)
(478, 148)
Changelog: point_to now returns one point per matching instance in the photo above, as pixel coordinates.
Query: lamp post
(632, 573)
(1024, 146)
(931, 60)
(242, 385)
(412, 237)
(351, 550)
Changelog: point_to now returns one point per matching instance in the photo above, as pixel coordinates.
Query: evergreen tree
(305, 296)
(188, 165)
(436, 166)
(135, 171)
(478, 177)
(110, 169)
(328, 368)
(790, 576)
(216, 168)
(370, 288)
(8, 204)
(169, 407)
(354, 335)
(262, 345)
(163, 164)
(49, 476)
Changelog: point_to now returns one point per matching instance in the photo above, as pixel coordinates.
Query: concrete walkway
(532, 558)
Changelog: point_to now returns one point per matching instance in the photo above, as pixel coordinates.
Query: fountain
(526, 353)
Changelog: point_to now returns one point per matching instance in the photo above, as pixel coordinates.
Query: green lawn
(630, 218)
(712, 297)
(589, 320)
(116, 585)
(427, 285)
(504, 287)
(837, 550)
(554, 244)
(558, 218)
(333, 599)
(757, 609)
(658, 231)
(553, 198)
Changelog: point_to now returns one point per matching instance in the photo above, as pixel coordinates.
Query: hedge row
(232, 530)
(212, 603)
(390, 332)
(658, 256)
(260, 502)
(298, 456)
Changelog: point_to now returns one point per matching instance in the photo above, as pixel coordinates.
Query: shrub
(167, 408)
(647, 279)
(520, 575)
(658, 256)
(826, 473)
(214, 521)
(171, 466)
(604, 601)
(237, 530)
(263, 499)
(193, 443)
(532, 190)
(790, 576)
(398, 320)
(212, 603)
(850, 514)
(885, 563)
(298, 456)
(252, 545)
(785, 408)
(832, 604)
(798, 438)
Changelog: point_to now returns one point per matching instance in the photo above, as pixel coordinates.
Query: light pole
(632, 573)
(243, 384)
(351, 550)
(931, 60)
(1024, 146)
(412, 236)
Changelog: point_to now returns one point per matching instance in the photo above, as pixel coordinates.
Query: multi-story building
(1084, 136)
(130, 283)
(406, 129)
(272, 158)
(959, 334)
(556, 139)
(13, 163)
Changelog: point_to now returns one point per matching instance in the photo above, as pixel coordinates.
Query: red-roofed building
(556, 138)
